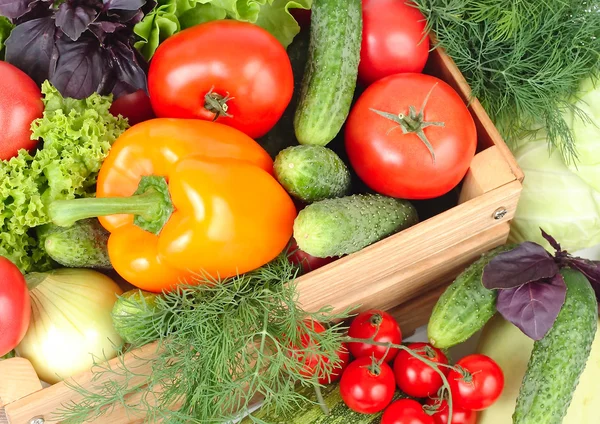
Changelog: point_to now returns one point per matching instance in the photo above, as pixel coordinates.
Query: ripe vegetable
(248, 90)
(19, 107)
(16, 307)
(410, 136)
(125, 311)
(136, 107)
(306, 261)
(312, 173)
(330, 77)
(406, 411)
(379, 326)
(414, 377)
(70, 322)
(480, 386)
(367, 387)
(222, 212)
(459, 415)
(344, 355)
(335, 227)
(394, 40)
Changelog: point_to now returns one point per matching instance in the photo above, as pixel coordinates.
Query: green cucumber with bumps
(336, 227)
(465, 306)
(312, 173)
(558, 359)
(330, 76)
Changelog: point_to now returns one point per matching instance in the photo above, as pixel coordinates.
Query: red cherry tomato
(393, 40)
(482, 388)
(406, 411)
(366, 387)
(344, 355)
(459, 415)
(20, 104)
(380, 326)
(15, 306)
(307, 261)
(233, 71)
(401, 165)
(414, 377)
(135, 107)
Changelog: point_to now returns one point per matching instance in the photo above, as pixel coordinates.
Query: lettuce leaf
(172, 16)
(5, 28)
(76, 135)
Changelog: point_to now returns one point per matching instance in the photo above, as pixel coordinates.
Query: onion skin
(71, 323)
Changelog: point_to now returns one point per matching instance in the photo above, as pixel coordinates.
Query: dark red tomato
(402, 165)
(135, 107)
(459, 415)
(311, 362)
(366, 387)
(481, 388)
(406, 411)
(381, 327)
(20, 104)
(302, 16)
(233, 71)
(344, 355)
(414, 377)
(15, 306)
(307, 261)
(393, 40)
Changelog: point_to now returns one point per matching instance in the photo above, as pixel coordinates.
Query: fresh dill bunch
(524, 59)
(222, 345)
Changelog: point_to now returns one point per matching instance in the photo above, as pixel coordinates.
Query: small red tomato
(406, 411)
(482, 385)
(136, 107)
(416, 378)
(344, 355)
(15, 306)
(20, 104)
(459, 415)
(366, 387)
(380, 326)
(307, 261)
(311, 361)
(393, 40)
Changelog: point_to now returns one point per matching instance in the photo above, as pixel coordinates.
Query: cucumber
(82, 245)
(311, 413)
(465, 306)
(335, 227)
(330, 76)
(312, 173)
(557, 360)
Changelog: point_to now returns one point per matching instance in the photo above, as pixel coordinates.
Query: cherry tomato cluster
(368, 383)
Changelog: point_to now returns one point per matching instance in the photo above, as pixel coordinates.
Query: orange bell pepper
(186, 197)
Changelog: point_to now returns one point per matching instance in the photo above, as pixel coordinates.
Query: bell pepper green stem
(151, 206)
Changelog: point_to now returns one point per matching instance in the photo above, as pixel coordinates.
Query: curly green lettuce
(5, 28)
(171, 16)
(75, 136)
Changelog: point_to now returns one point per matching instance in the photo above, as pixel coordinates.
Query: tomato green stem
(217, 104)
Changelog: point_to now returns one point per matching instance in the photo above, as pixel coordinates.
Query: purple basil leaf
(74, 20)
(591, 270)
(31, 48)
(129, 69)
(533, 307)
(123, 4)
(81, 67)
(39, 9)
(555, 245)
(13, 9)
(526, 262)
(103, 28)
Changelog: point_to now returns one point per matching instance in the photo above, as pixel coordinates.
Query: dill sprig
(221, 346)
(524, 59)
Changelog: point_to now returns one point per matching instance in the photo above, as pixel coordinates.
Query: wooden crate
(404, 273)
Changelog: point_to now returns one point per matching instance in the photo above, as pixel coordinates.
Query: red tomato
(233, 71)
(406, 411)
(414, 377)
(393, 40)
(459, 415)
(15, 306)
(20, 104)
(401, 165)
(344, 355)
(135, 107)
(366, 387)
(308, 262)
(481, 388)
(380, 326)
